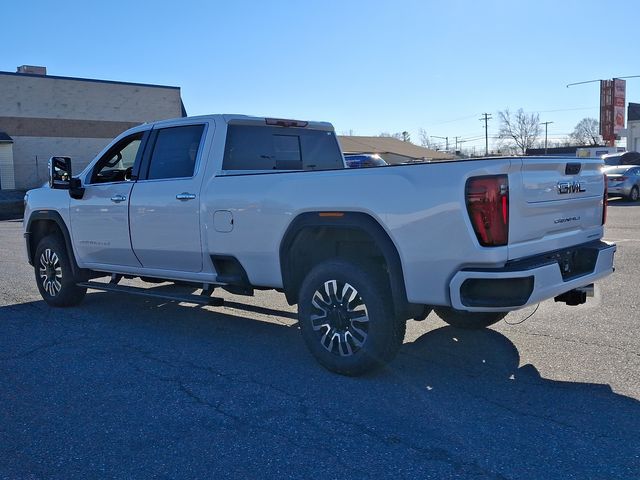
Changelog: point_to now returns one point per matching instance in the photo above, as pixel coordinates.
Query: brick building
(43, 115)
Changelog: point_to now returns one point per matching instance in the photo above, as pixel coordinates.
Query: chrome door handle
(185, 196)
(118, 198)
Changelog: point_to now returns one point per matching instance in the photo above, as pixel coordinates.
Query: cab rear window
(252, 147)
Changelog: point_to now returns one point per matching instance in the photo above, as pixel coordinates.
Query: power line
(450, 121)
(564, 110)
(446, 139)
(599, 80)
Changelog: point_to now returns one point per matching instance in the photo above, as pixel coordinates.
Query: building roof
(354, 144)
(113, 82)
(4, 138)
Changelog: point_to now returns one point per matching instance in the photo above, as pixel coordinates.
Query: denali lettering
(567, 219)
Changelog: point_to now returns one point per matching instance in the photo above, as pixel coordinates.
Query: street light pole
(546, 124)
(446, 139)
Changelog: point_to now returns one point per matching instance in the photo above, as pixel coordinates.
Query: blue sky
(369, 67)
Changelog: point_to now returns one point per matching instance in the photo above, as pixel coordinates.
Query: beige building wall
(633, 136)
(47, 115)
(34, 153)
(55, 97)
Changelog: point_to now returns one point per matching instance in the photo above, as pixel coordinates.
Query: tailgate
(554, 203)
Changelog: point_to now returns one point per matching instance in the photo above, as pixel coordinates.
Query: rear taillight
(488, 206)
(604, 202)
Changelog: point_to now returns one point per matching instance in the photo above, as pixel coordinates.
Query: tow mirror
(59, 172)
(60, 177)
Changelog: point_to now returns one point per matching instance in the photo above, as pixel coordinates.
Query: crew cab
(245, 203)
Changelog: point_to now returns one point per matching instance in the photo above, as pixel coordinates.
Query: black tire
(634, 195)
(54, 276)
(364, 326)
(468, 320)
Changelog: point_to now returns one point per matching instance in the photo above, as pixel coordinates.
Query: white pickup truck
(245, 203)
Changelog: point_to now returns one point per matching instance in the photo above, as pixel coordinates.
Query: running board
(110, 287)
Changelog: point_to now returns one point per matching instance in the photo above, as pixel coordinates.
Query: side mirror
(59, 172)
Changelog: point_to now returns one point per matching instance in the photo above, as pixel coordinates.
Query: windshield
(612, 160)
(357, 161)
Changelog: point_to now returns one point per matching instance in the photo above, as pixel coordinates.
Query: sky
(366, 66)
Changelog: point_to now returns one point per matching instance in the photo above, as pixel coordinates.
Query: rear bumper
(531, 280)
(623, 190)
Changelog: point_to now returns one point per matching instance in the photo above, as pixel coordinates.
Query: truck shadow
(454, 403)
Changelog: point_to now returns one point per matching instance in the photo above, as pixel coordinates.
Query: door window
(117, 164)
(175, 151)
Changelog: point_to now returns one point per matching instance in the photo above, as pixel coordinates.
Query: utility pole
(457, 142)
(461, 142)
(446, 139)
(486, 117)
(546, 124)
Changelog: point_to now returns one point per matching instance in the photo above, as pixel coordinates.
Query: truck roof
(238, 119)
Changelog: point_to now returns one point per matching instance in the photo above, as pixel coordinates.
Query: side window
(117, 164)
(321, 151)
(251, 147)
(174, 153)
(286, 149)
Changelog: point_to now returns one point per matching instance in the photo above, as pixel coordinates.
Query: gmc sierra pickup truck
(244, 203)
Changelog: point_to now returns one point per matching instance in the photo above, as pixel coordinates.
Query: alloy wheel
(50, 272)
(341, 320)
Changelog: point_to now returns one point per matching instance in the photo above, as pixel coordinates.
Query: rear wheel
(346, 318)
(468, 320)
(634, 195)
(54, 275)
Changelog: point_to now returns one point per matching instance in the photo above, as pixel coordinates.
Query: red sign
(606, 110)
(619, 90)
(612, 104)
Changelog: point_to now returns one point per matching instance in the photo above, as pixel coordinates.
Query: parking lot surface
(130, 387)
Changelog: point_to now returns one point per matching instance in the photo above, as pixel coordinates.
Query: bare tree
(425, 141)
(406, 136)
(502, 147)
(520, 129)
(397, 135)
(586, 132)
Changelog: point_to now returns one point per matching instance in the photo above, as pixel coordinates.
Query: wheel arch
(45, 222)
(331, 229)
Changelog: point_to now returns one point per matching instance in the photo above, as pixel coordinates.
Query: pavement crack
(44, 346)
(183, 387)
(202, 401)
(436, 454)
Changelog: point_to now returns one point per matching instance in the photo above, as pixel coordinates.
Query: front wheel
(54, 275)
(469, 320)
(346, 318)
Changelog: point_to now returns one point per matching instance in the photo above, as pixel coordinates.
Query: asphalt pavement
(130, 387)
